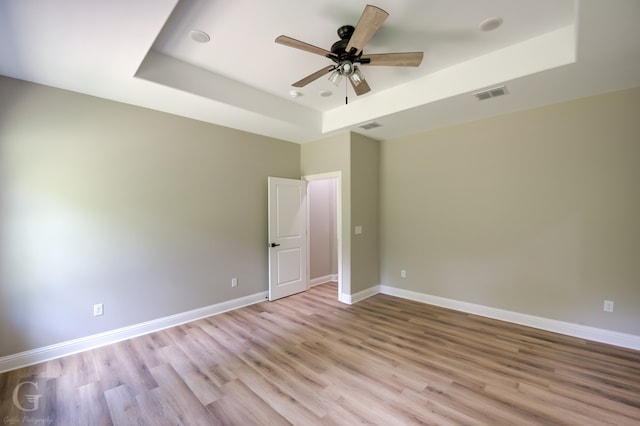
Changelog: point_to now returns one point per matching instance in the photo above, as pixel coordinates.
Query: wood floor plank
(430, 411)
(123, 407)
(174, 393)
(147, 349)
(117, 364)
(573, 406)
(241, 406)
(287, 383)
(283, 402)
(309, 359)
(198, 380)
(84, 405)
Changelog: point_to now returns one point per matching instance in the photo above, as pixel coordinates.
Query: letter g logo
(32, 399)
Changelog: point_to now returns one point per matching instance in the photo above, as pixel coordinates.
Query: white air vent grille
(491, 93)
(370, 125)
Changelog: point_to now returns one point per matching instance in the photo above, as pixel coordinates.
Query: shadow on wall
(12, 61)
(35, 225)
(11, 304)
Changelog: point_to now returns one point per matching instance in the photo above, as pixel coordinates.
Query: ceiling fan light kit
(346, 68)
(357, 77)
(335, 78)
(347, 52)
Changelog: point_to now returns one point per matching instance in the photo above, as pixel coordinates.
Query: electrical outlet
(98, 309)
(608, 306)
(403, 273)
(234, 282)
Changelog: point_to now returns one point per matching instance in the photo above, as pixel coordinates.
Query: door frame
(323, 176)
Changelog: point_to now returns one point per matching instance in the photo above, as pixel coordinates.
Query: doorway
(324, 229)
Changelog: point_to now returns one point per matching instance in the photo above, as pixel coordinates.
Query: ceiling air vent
(370, 125)
(491, 93)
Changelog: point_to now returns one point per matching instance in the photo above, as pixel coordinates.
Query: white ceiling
(140, 52)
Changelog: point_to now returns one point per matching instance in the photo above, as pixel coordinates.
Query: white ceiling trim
(180, 75)
(542, 53)
(97, 48)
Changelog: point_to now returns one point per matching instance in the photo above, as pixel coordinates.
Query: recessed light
(199, 36)
(326, 93)
(490, 24)
(295, 94)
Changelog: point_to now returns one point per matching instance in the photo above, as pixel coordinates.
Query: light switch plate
(358, 230)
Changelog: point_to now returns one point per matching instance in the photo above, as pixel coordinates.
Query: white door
(287, 237)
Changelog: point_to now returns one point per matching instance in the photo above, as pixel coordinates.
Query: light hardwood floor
(308, 359)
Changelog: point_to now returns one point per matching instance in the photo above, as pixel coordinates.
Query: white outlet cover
(98, 309)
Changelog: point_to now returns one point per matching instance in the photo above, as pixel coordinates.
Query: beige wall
(536, 212)
(365, 259)
(101, 202)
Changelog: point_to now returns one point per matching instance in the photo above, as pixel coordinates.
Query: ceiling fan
(347, 52)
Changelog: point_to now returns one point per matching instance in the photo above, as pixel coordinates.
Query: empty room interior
(321, 212)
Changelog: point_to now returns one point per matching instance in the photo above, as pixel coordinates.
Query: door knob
(273, 245)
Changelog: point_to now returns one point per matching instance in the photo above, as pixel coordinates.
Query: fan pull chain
(346, 93)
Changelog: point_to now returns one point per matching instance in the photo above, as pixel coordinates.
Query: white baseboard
(321, 280)
(361, 295)
(570, 329)
(35, 356)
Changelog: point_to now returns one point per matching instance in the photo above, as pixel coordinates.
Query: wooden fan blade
(408, 59)
(361, 88)
(371, 19)
(316, 75)
(292, 42)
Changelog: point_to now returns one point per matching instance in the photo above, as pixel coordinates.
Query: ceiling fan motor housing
(345, 32)
(339, 48)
